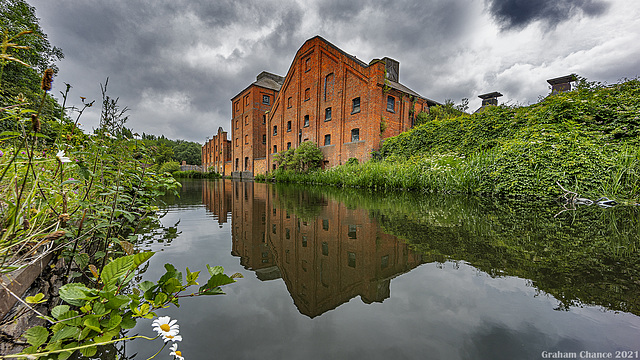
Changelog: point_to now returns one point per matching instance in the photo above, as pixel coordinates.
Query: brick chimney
(562, 84)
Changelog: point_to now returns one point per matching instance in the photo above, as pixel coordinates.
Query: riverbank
(584, 141)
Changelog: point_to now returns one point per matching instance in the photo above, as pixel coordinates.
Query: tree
(16, 16)
(305, 158)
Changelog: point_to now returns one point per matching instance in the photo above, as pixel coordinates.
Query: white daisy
(175, 352)
(172, 338)
(166, 327)
(60, 156)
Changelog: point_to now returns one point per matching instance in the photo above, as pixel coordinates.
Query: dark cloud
(517, 14)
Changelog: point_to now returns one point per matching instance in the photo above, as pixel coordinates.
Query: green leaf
(114, 270)
(146, 285)
(69, 318)
(59, 310)
(215, 270)
(114, 321)
(92, 323)
(192, 277)
(37, 336)
(172, 285)
(89, 352)
(75, 294)
(160, 299)
(128, 322)
(82, 260)
(100, 309)
(36, 299)
(66, 332)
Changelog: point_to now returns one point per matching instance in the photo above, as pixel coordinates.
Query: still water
(343, 274)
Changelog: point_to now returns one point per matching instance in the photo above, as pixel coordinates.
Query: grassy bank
(585, 140)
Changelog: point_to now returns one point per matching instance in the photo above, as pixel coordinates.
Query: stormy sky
(177, 63)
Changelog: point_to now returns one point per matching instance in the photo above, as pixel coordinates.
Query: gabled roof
(265, 80)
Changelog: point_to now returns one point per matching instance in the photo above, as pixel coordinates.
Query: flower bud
(47, 79)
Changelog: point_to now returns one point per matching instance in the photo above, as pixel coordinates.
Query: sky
(177, 63)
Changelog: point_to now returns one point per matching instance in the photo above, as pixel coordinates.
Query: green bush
(170, 167)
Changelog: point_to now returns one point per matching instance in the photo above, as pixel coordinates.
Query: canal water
(346, 274)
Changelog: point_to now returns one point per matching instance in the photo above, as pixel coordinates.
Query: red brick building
(248, 125)
(216, 153)
(347, 107)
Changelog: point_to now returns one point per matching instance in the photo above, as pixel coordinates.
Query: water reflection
(325, 252)
(329, 246)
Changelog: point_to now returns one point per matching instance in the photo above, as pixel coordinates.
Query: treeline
(174, 150)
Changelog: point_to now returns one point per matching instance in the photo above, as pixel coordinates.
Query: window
(246, 120)
(275, 149)
(264, 119)
(275, 130)
(266, 99)
(307, 64)
(287, 233)
(246, 164)
(391, 103)
(237, 105)
(237, 142)
(246, 139)
(384, 262)
(288, 126)
(327, 139)
(325, 248)
(236, 164)
(264, 139)
(289, 102)
(356, 106)
(327, 114)
(304, 241)
(288, 145)
(351, 259)
(355, 135)
(307, 93)
(246, 100)
(328, 87)
(273, 228)
(237, 124)
(352, 232)
(325, 224)
(306, 120)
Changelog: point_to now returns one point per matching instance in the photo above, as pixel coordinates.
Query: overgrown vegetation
(586, 140)
(83, 197)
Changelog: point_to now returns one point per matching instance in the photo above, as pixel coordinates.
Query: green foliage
(305, 158)
(174, 150)
(440, 112)
(96, 316)
(169, 167)
(352, 161)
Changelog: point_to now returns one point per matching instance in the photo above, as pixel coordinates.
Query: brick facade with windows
(248, 125)
(345, 106)
(216, 152)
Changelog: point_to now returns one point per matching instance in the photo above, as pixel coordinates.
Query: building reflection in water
(325, 252)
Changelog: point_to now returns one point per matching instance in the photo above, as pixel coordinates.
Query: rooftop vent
(562, 84)
(490, 98)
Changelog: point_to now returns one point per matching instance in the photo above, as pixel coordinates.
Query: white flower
(172, 338)
(175, 352)
(60, 156)
(166, 327)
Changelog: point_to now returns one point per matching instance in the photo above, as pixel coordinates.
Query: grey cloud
(517, 14)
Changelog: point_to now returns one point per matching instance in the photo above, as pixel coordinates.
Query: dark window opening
(275, 130)
(356, 106)
(355, 135)
(327, 114)
(288, 126)
(266, 99)
(306, 120)
(327, 140)
(391, 103)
